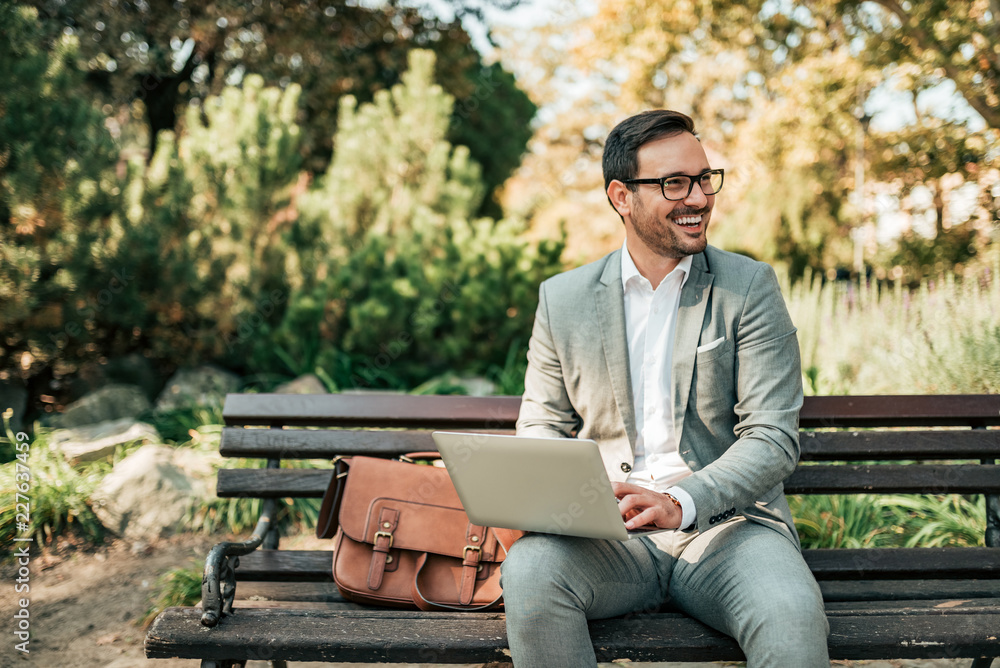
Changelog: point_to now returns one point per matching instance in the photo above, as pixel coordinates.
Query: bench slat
(903, 563)
(814, 479)
(917, 410)
(325, 443)
(446, 412)
(907, 590)
(834, 591)
(366, 410)
(855, 445)
(895, 479)
(401, 636)
(827, 564)
(816, 446)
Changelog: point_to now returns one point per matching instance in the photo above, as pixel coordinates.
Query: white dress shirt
(650, 324)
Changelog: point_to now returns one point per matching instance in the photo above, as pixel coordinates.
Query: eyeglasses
(679, 186)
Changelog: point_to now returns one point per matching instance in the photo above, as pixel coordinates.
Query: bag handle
(421, 454)
(329, 510)
(421, 602)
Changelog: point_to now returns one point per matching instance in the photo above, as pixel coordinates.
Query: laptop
(547, 485)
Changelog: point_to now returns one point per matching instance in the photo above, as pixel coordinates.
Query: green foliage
(852, 521)
(943, 338)
(868, 520)
(239, 515)
(188, 426)
(56, 191)
(178, 587)
(941, 521)
(59, 496)
(492, 117)
(221, 250)
(151, 59)
(202, 227)
(509, 378)
(403, 282)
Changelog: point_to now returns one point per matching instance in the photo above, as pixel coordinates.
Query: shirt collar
(629, 270)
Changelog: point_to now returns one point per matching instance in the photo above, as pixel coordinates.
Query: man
(681, 361)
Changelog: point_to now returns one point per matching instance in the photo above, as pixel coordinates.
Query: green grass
(943, 338)
(872, 520)
(176, 426)
(238, 515)
(58, 494)
(180, 587)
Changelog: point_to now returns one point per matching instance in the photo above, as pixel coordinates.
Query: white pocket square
(709, 346)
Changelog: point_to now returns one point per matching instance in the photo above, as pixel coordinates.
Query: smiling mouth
(688, 221)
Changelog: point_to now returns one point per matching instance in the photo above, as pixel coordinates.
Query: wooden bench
(882, 603)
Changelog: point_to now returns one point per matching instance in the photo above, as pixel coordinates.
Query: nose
(697, 197)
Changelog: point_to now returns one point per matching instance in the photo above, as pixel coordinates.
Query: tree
(403, 282)
(162, 56)
(56, 193)
(779, 93)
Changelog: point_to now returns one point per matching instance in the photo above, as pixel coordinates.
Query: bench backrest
(948, 434)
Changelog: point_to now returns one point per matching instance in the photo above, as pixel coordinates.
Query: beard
(666, 238)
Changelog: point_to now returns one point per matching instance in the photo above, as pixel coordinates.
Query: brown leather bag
(401, 538)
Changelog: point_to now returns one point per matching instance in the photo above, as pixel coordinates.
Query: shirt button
(626, 467)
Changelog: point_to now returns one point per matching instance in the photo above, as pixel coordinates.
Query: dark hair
(621, 149)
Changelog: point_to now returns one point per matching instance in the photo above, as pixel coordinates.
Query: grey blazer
(737, 381)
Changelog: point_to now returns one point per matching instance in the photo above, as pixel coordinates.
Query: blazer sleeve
(546, 409)
(768, 386)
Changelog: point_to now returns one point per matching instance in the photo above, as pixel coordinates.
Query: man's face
(670, 229)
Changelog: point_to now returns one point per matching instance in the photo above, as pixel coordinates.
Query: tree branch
(928, 42)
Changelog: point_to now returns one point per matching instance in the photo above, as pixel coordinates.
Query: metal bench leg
(984, 662)
(278, 663)
(271, 539)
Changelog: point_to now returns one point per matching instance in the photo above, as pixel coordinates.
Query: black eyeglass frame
(695, 178)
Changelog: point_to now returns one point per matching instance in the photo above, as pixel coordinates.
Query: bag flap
(424, 528)
(430, 514)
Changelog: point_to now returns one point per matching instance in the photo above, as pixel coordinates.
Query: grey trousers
(741, 578)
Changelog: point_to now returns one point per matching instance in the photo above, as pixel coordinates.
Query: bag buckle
(386, 535)
(474, 548)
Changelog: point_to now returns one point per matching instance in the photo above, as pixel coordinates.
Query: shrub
(59, 496)
(403, 283)
(943, 338)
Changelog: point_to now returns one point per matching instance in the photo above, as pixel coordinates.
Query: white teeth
(688, 220)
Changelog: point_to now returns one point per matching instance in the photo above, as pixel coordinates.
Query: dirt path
(86, 604)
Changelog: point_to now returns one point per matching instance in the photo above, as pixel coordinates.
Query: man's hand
(641, 507)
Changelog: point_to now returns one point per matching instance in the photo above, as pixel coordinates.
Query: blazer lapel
(690, 316)
(610, 303)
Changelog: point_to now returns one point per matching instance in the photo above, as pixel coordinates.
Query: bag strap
(329, 510)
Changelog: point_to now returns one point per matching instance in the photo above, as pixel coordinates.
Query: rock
(150, 492)
(14, 395)
(111, 402)
(91, 442)
(307, 384)
(201, 386)
(133, 369)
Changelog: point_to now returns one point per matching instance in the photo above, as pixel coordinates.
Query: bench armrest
(218, 584)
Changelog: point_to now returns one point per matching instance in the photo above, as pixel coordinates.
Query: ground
(87, 604)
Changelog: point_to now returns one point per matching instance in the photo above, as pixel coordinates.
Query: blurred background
(370, 192)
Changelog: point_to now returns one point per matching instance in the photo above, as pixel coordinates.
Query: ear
(618, 194)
